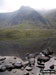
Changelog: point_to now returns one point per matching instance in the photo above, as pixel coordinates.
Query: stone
(32, 61)
(43, 58)
(2, 58)
(18, 64)
(26, 63)
(9, 66)
(45, 52)
(28, 68)
(2, 68)
(52, 67)
(26, 72)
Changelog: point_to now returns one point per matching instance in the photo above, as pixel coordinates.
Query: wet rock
(28, 68)
(26, 72)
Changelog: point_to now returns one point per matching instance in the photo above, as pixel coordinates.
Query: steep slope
(25, 15)
(51, 17)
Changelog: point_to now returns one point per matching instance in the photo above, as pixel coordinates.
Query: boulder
(2, 58)
(32, 61)
(26, 63)
(45, 52)
(52, 67)
(9, 66)
(40, 63)
(2, 68)
(43, 58)
(31, 56)
(50, 51)
(18, 64)
(41, 66)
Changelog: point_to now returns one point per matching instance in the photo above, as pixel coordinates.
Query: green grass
(25, 34)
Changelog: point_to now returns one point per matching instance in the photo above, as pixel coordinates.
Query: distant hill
(26, 16)
(51, 18)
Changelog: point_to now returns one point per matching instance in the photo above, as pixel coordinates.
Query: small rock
(26, 72)
(14, 71)
(3, 68)
(28, 68)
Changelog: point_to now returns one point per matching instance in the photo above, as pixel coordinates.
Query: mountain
(50, 16)
(24, 17)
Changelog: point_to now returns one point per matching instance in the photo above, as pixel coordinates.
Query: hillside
(25, 31)
(26, 16)
(51, 18)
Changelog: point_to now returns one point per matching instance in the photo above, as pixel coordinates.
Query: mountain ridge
(24, 14)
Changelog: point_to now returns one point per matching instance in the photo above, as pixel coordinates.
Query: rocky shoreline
(12, 65)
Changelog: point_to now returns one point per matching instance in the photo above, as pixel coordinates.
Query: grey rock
(18, 64)
(26, 72)
(2, 58)
(28, 68)
(2, 68)
(26, 63)
(45, 52)
(9, 66)
(32, 61)
(43, 58)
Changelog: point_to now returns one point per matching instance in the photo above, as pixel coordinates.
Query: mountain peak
(26, 8)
